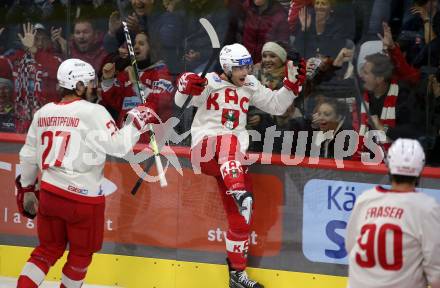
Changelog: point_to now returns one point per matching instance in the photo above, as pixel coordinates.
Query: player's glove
(295, 76)
(191, 84)
(27, 199)
(141, 116)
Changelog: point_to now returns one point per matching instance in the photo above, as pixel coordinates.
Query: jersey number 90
(369, 242)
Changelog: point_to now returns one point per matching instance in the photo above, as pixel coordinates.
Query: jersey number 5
(48, 136)
(369, 243)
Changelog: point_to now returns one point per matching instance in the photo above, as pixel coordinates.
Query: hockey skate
(239, 279)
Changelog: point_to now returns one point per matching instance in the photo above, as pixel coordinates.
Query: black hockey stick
(214, 56)
(141, 94)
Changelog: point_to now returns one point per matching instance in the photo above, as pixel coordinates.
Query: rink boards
(173, 237)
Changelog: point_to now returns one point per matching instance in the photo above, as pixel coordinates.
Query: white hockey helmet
(71, 71)
(234, 55)
(406, 157)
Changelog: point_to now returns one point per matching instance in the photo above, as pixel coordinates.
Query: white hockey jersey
(222, 107)
(393, 240)
(68, 142)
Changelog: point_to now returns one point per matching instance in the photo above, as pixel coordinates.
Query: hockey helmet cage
(234, 55)
(406, 157)
(71, 71)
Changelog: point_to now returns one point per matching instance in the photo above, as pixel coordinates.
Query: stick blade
(211, 32)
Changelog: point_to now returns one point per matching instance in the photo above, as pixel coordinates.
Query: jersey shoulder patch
(251, 82)
(215, 81)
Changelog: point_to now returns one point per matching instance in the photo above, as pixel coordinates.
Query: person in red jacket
(33, 70)
(266, 20)
(118, 91)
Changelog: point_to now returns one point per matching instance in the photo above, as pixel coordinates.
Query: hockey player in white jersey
(68, 142)
(218, 130)
(393, 235)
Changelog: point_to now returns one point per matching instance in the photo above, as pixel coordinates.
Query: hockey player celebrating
(68, 142)
(219, 130)
(393, 235)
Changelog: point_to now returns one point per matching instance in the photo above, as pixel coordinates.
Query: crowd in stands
(371, 64)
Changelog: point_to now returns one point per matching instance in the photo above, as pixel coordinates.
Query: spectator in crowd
(143, 16)
(432, 50)
(264, 21)
(7, 123)
(271, 73)
(331, 117)
(419, 26)
(428, 101)
(171, 32)
(30, 10)
(34, 73)
(434, 90)
(295, 7)
(402, 70)
(389, 103)
(324, 29)
(86, 43)
(3, 40)
(197, 45)
(369, 15)
(118, 90)
(271, 70)
(326, 76)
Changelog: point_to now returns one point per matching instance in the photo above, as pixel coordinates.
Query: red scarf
(387, 117)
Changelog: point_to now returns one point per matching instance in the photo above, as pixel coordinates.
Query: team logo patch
(217, 79)
(130, 102)
(230, 118)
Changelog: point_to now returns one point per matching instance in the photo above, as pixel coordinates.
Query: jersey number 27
(49, 137)
(369, 243)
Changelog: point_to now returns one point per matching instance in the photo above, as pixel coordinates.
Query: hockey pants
(61, 221)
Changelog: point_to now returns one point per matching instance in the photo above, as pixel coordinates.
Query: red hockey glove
(191, 84)
(141, 116)
(296, 76)
(27, 199)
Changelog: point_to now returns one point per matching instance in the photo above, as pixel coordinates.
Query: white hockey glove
(296, 76)
(141, 116)
(191, 84)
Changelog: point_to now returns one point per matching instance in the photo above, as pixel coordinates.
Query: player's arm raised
(276, 102)
(107, 138)
(191, 85)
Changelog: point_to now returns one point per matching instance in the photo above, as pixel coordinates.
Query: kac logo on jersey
(230, 118)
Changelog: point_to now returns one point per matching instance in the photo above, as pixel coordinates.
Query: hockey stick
(215, 51)
(214, 55)
(141, 94)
